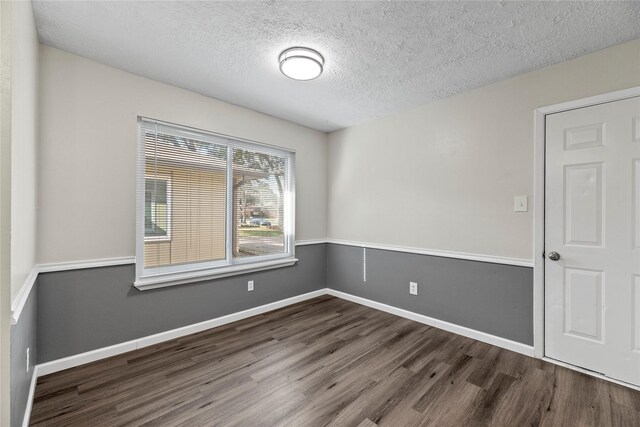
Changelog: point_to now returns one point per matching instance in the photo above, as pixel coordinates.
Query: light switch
(520, 204)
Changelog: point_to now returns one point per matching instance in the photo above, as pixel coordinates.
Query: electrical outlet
(250, 286)
(413, 288)
(27, 359)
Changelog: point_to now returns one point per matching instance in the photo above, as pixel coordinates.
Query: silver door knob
(554, 256)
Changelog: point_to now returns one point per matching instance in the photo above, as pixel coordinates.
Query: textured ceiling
(381, 57)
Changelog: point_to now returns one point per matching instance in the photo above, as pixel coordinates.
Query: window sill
(164, 280)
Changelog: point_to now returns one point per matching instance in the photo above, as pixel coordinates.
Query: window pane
(156, 212)
(258, 203)
(185, 200)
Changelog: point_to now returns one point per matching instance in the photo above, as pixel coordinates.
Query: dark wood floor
(328, 362)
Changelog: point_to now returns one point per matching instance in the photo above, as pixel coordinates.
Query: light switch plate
(520, 204)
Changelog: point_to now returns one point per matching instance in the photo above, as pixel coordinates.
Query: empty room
(319, 213)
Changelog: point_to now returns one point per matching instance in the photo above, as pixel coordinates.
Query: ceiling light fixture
(301, 63)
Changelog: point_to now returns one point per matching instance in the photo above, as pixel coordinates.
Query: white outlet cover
(250, 285)
(413, 288)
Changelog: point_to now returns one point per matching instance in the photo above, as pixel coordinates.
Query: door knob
(554, 256)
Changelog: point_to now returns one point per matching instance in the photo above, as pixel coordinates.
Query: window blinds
(205, 200)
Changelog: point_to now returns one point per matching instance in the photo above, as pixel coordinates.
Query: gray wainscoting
(23, 336)
(83, 310)
(492, 298)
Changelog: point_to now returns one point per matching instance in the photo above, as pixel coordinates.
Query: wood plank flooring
(328, 361)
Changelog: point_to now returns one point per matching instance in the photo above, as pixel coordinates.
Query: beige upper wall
(24, 108)
(443, 176)
(5, 211)
(87, 154)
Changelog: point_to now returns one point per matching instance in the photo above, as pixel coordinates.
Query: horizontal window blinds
(209, 201)
(185, 197)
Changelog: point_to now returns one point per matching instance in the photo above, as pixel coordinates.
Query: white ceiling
(381, 57)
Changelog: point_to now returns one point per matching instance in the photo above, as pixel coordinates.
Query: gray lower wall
(23, 336)
(71, 312)
(82, 310)
(492, 298)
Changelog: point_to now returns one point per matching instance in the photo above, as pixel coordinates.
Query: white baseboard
(32, 391)
(451, 327)
(102, 353)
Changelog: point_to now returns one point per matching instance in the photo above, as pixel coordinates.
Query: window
(210, 205)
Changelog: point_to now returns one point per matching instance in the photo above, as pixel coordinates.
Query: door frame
(539, 133)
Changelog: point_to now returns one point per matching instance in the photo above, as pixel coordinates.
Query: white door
(592, 221)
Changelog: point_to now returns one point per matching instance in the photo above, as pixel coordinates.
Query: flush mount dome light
(301, 63)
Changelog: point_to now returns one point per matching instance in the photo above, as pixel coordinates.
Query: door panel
(583, 204)
(584, 137)
(592, 219)
(583, 303)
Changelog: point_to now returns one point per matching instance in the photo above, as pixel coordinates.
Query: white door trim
(538, 209)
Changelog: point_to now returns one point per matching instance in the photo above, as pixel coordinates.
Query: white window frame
(166, 238)
(156, 277)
